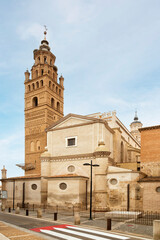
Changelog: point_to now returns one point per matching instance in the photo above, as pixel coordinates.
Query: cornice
(76, 157)
(42, 78)
(149, 128)
(91, 119)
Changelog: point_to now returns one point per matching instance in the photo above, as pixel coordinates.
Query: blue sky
(107, 50)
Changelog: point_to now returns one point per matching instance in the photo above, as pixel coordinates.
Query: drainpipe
(13, 193)
(128, 197)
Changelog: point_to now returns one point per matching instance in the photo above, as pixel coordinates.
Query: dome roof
(136, 119)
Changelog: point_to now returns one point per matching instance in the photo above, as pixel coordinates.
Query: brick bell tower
(43, 104)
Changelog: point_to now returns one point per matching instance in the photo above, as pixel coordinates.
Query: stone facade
(64, 180)
(151, 193)
(94, 141)
(123, 190)
(23, 190)
(43, 105)
(126, 148)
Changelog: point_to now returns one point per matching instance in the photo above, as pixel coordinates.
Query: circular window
(158, 189)
(62, 186)
(113, 181)
(34, 186)
(71, 168)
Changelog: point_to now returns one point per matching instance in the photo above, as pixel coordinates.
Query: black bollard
(27, 212)
(109, 223)
(55, 216)
(9, 209)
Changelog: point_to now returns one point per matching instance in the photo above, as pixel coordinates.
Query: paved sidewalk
(7, 232)
(99, 221)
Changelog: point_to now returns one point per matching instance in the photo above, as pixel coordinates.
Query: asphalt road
(58, 231)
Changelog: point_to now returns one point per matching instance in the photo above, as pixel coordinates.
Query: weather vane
(45, 32)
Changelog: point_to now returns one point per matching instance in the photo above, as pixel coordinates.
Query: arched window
(59, 92)
(29, 88)
(45, 59)
(51, 62)
(37, 84)
(33, 87)
(38, 145)
(41, 71)
(52, 102)
(58, 106)
(56, 89)
(49, 83)
(53, 87)
(41, 83)
(35, 102)
(122, 152)
(36, 73)
(38, 59)
(32, 146)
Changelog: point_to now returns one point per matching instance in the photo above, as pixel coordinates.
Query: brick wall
(150, 145)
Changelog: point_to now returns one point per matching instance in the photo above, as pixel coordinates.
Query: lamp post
(92, 165)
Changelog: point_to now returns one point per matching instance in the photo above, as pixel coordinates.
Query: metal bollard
(9, 209)
(27, 212)
(55, 216)
(109, 223)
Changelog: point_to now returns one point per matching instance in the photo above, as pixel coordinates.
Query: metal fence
(135, 216)
(132, 216)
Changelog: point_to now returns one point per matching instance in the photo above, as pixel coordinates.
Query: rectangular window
(71, 141)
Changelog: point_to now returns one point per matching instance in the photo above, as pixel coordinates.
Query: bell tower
(43, 104)
(134, 126)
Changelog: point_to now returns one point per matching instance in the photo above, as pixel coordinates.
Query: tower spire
(136, 117)
(45, 32)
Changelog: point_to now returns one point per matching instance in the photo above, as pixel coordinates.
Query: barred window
(71, 142)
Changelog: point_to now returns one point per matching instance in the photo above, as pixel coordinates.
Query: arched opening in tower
(35, 102)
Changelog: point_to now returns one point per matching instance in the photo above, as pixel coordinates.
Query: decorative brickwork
(43, 105)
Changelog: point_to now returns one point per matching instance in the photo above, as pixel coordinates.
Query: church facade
(59, 149)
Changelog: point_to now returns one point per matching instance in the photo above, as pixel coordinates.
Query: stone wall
(151, 198)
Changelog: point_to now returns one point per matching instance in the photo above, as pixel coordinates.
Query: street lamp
(92, 165)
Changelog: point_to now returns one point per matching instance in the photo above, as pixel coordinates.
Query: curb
(81, 225)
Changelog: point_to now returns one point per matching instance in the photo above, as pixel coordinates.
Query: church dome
(136, 119)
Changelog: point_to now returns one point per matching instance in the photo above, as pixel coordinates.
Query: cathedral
(59, 150)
